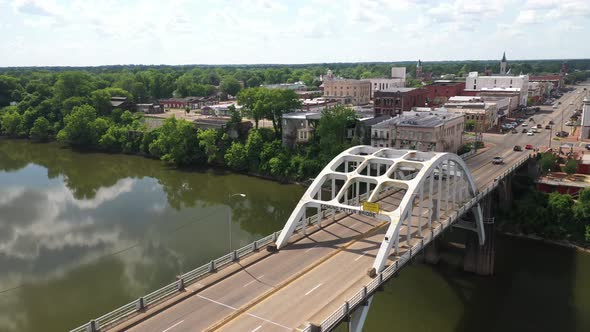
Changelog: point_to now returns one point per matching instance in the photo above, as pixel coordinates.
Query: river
(83, 233)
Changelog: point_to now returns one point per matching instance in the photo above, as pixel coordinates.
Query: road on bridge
(273, 294)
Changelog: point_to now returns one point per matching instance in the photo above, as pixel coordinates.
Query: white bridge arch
(370, 174)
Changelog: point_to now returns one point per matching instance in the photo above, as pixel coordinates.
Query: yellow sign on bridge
(372, 207)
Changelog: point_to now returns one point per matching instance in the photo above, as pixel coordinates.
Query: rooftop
(419, 119)
(402, 90)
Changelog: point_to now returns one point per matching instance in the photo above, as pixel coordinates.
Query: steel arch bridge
(411, 189)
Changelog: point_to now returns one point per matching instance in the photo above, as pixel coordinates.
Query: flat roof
(397, 90)
(419, 119)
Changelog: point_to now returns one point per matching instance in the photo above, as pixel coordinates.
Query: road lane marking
(256, 329)
(216, 302)
(310, 248)
(250, 283)
(269, 321)
(311, 290)
(173, 326)
(356, 259)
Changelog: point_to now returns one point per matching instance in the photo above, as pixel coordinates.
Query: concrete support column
(357, 321)
(431, 254)
(420, 209)
(431, 201)
(439, 194)
(479, 259)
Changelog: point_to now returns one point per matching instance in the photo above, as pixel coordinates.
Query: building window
(419, 136)
(411, 135)
(428, 136)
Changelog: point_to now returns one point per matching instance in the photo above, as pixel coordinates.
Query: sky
(108, 32)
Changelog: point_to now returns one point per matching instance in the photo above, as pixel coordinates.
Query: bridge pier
(431, 253)
(357, 320)
(505, 193)
(479, 259)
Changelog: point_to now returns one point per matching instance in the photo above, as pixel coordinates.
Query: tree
(73, 84)
(560, 208)
(40, 130)
(254, 145)
(177, 143)
(8, 87)
(547, 162)
(79, 128)
(236, 157)
(249, 98)
(470, 125)
(582, 206)
(571, 166)
(229, 86)
(101, 99)
(11, 123)
(208, 142)
(331, 130)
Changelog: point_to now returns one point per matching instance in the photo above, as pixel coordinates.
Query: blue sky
(87, 32)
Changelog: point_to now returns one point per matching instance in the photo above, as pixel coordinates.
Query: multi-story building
(378, 84)
(439, 131)
(395, 101)
(298, 127)
(475, 83)
(355, 92)
(439, 92)
(585, 123)
(484, 115)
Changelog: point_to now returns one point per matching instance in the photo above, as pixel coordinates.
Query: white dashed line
(310, 248)
(250, 283)
(356, 259)
(270, 321)
(173, 326)
(256, 329)
(216, 302)
(311, 290)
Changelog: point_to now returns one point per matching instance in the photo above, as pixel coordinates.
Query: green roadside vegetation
(553, 216)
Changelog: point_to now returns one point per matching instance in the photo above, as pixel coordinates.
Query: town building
(484, 115)
(398, 72)
(122, 103)
(440, 91)
(353, 92)
(192, 103)
(395, 101)
(439, 131)
(420, 74)
(538, 91)
(378, 84)
(475, 83)
(585, 123)
(298, 127)
(557, 81)
(297, 86)
(150, 108)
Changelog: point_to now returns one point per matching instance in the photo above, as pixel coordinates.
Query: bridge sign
(372, 207)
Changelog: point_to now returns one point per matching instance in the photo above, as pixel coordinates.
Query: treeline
(148, 83)
(75, 109)
(554, 216)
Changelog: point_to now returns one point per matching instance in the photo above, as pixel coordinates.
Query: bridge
(367, 214)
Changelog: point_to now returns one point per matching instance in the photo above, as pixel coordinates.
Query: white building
(475, 82)
(378, 84)
(585, 125)
(439, 131)
(398, 72)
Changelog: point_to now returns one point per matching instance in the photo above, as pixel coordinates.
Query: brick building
(398, 100)
(439, 92)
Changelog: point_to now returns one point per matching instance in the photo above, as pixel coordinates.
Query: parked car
(497, 160)
(524, 125)
(530, 133)
(539, 126)
(570, 123)
(547, 127)
(551, 122)
(524, 131)
(562, 134)
(528, 146)
(514, 131)
(587, 146)
(517, 148)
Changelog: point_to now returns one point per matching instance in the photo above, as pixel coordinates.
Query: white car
(530, 133)
(524, 124)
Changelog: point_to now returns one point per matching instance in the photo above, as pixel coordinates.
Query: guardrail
(129, 310)
(467, 154)
(368, 290)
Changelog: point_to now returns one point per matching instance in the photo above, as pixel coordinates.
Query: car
(530, 133)
(570, 123)
(524, 131)
(539, 126)
(551, 122)
(534, 130)
(528, 146)
(514, 131)
(517, 148)
(571, 103)
(524, 125)
(547, 127)
(587, 146)
(562, 134)
(497, 160)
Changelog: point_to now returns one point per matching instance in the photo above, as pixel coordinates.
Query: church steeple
(503, 64)
(419, 70)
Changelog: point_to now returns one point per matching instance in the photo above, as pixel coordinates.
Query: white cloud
(36, 7)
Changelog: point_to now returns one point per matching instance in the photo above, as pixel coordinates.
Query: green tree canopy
(78, 129)
(41, 129)
(331, 130)
(229, 86)
(571, 166)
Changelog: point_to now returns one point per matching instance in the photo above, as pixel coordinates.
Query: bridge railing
(131, 309)
(346, 309)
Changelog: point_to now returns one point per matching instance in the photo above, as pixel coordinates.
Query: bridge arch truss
(412, 190)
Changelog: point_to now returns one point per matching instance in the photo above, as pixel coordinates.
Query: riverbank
(560, 243)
